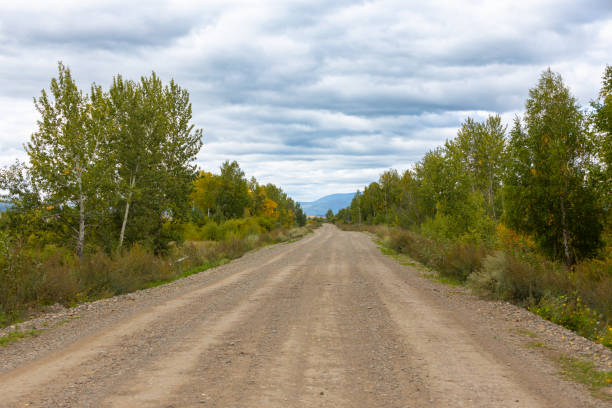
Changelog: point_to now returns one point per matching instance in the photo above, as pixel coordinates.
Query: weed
(31, 278)
(536, 345)
(571, 312)
(585, 372)
(527, 333)
(17, 335)
(579, 299)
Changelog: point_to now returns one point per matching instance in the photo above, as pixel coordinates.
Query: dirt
(327, 321)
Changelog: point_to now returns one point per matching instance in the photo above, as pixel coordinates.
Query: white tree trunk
(566, 244)
(81, 235)
(126, 212)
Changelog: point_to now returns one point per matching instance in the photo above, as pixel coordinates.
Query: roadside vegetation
(110, 201)
(521, 215)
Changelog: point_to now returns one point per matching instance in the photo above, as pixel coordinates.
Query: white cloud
(317, 97)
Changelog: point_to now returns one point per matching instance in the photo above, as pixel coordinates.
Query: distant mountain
(334, 202)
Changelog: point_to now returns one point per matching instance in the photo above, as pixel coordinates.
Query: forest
(110, 200)
(519, 213)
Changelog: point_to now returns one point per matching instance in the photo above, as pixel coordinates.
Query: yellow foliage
(269, 208)
(510, 239)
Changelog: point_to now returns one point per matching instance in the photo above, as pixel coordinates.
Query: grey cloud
(316, 96)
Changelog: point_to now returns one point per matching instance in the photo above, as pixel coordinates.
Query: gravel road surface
(327, 321)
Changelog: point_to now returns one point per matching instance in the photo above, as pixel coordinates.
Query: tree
(66, 155)
(205, 190)
(329, 215)
(300, 215)
(602, 119)
(478, 150)
(153, 146)
(547, 191)
(233, 196)
(355, 208)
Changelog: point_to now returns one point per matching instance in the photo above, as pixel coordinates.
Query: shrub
(571, 312)
(59, 281)
(211, 232)
(487, 280)
(592, 281)
(460, 260)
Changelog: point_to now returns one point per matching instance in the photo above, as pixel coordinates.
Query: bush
(571, 312)
(592, 281)
(211, 232)
(460, 260)
(506, 277)
(31, 276)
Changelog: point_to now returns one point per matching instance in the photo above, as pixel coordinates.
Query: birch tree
(547, 193)
(65, 155)
(153, 145)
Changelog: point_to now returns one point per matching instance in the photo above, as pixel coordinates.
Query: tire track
(85, 353)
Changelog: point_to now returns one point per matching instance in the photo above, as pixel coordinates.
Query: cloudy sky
(315, 96)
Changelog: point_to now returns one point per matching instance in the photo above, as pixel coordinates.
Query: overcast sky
(317, 97)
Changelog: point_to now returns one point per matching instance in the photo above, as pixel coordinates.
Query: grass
(536, 345)
(563, 310)
(426, 273)
(527, 333)
(512, 270)
(34, 277)
(18, 335)
(585, 372)
(188, 272)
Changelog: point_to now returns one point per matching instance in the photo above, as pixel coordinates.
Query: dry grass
(31, 278)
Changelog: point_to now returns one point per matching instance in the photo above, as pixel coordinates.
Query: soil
(327, 321)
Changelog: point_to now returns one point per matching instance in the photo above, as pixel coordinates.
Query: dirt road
(327, 321)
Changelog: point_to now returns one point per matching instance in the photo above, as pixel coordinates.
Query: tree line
(230, 195)
(113, 167)
(548, 176)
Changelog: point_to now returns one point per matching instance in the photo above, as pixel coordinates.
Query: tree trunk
(126, 212)
(566, 244)
(81, 236)
(491, 202)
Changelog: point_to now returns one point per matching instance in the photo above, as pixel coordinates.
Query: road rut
(327, 321)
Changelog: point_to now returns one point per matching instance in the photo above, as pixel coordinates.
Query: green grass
(448, 280)
(189, 272)
(527, 333)
(10, 318)
(67, 320)
(18, 335)
(536, 345)
(426, 273)
(585, 372)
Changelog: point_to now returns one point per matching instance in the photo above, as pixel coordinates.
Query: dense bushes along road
(110, 194)
(524, 217)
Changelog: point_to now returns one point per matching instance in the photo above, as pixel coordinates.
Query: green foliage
(454, 192)
(31, 278)
(65, 156)
(229, 196)
(586, 373)
(16, 335)
(105, 167)
(579, 299)
(549, 183)
(571, 312)
(601, 172)
(553, 169)
(547, 189)
(151, 147)
(233, 194)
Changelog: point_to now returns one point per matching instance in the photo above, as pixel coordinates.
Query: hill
(334, 201)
